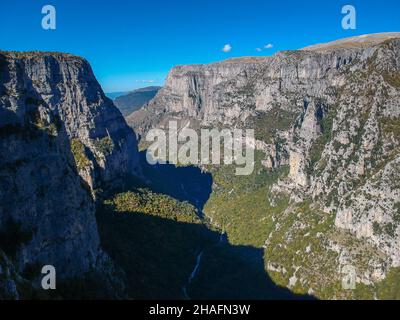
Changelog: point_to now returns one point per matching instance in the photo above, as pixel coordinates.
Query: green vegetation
(240, 205)
(298, 230)
(393, 78)
(266, 125)
(376, 228)
(301, 244)
(318, 145)
(386, 228)
(389, 289)
(79, 153)
(104, 145)
(155, 239)
(390, 126)
(36, 54)
(390, 229)
(145, 201)
(37, 123)
(384, 152)
(32, 127)
(396, 215)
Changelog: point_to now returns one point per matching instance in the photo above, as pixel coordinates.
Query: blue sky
(134, 43)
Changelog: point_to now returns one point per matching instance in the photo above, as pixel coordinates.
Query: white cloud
(267, 46)
(227, 48)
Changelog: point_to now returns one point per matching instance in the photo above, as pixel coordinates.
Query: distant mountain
(134, 100)
(113, 95)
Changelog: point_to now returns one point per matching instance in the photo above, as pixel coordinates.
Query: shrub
(79, 153)
(146, 202)
(377, 229)
(392, 78)
(104, 145)
(266, 125)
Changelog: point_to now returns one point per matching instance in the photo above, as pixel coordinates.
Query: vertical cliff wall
(60, 140)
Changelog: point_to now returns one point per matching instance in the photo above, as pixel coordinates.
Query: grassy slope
(240, 205)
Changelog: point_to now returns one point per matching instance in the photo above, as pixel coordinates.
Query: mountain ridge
(331, 120)
(135, 99)
(362, 41)
(324, 195)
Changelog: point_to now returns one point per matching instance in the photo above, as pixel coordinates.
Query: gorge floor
(173, 258)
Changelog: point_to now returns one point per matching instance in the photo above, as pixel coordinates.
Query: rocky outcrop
(62, 90)
(61, 140)
(330, 112)
(198, 92)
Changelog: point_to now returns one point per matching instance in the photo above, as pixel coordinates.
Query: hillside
(325, 195)
(323, 198)
(135, 99)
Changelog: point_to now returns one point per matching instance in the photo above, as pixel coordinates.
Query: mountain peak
(363, 41)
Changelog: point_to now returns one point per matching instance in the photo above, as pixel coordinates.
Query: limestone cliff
(332, 114)
(60, 140)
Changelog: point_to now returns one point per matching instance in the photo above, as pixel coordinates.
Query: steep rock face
(62, 88)
(60, 139)
(330, 112)
(193, 91)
